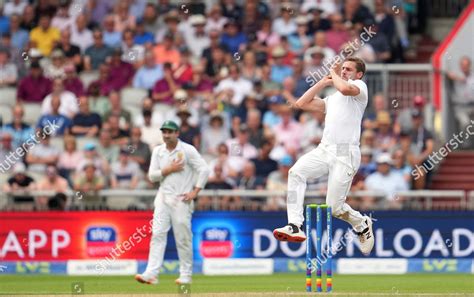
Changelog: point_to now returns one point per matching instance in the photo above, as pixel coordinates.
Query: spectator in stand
(240, 145)
(187, 132)
(88, 182)
(198, 41)
(139, 151)
(151, 134)
(6, 149)
(97, 53)
(44, 37)
(19, 130)
(183, 72)
(384, 136)
(54, 120)
(20, 181)
(356, 14)
(386, 180)
(337, 35)
(68, 101)
(278, 181)
(254, 124)
(401, 166)
(35, 86)
(234, 88)
(463, 97)
(215, 19)
(300, 41)
(123, 20)
(14, 7)
(232, 38)
(367, 164)
(8, 70)
(71, 82)
(215, 134)
(272, 117)
(404, 119)
(19, 36)
(142, 36)
(112, 38)
(86, 123)
(312, 130)
(166, 51)
(62, 20)
(264, 165)
(117, 110)
(29, 19)
(288, 132)
(317, 21)
(249, 181)
(231, 165)
(151, 20)
(90, 155)
(42, 154)
(284, 25)
(165, 88)
(69, 158)
(172, 29)
(56, 68)
(265, 36)
(70, 51)
(120, 72)
(421, 150)
(119, 135)
(381, 45)
(103, 85)
(106, 148)
(97, 102)
(125, 173)
(132, 53)
(379, 105)
(81, 36)
(218, 181)
(320, 45)
(51, 182)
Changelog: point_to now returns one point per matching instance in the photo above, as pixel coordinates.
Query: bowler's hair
(360, 64)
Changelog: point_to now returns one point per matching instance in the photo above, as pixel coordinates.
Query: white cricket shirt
(195, 172)
(344, 116)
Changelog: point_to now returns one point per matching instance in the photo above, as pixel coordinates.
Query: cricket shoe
(366, 238)
(146, 279)
(289, 233)
(183, 280)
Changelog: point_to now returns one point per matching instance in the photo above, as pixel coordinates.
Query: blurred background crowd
(95, 79)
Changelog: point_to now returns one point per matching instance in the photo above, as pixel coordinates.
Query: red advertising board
(74, 235)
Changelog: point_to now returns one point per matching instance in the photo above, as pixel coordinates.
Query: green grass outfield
(269, 285)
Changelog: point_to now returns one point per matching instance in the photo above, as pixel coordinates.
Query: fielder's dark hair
(360, 64)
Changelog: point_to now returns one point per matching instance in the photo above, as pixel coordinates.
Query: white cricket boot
(366, 237)
(289, 233)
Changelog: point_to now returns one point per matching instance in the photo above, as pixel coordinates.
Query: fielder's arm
(343, 86)
(309, 101)
(155, 173)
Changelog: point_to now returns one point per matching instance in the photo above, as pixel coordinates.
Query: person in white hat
(338, 155)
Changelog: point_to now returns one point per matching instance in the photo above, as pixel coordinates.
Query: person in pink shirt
(288, 132)
(51, 182)
(338, 34)
(69, 159)
(164, 88)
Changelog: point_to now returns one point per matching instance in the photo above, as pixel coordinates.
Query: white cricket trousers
(341, 162)
(171, 211)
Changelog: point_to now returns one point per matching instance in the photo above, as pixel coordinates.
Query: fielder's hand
(188, 197)
(176, 165)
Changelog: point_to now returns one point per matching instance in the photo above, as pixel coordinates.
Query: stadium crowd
(99, 78)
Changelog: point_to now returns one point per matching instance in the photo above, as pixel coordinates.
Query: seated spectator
(215, 19)
(232, 37)
(20, 130)
(321, 46)
(139, 151)
(422, 147)
(29, 20)
(90, 155)
(71, 52)
(234, 88)
(119, 136)
(300, 41)
(380, 44)
(69, 158)
(356, 14)
(215, 134)
(112, 38)
(151, 20)
(67, 100)
(240, 145)
(269, 87)
(86, 123)
(254, 124)
(249, 181)
(19, 36)
(149, 73)
(187, 132)
(400, 165)
(142, 36)
(218, 182)
(337, 35)
(43, 154)
(315, 63)
(183, 72)
(384, 136)
(379, 104)
(98, 103)
(165, 88)
(58, 123)
(51, 182)
(56, 68)
(117, 110)
(386, 180)
(463, 97)
(96, 54)
(198, 40)
(278, 181)
(35, 86)
(157, 117)
(44, 36)
(231, 165)
(125, 173)
(279, 71)
(8, 70)
(120, 72)
(367, 165)
(20, 181)
(88, 182)
(288, 132)
(264, 165)
(272, 117)
(151, 133)
(106, 148)
(81, 36)
(103, 85)
(7, 152)
(14, 8)
(317, 21)
(404, 118)
(123, 20)
(166, 51)
(71, 82)
(285, 24)
(201, 85)
(62, 20)
(312, 130)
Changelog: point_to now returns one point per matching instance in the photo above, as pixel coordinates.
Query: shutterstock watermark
(436, 156)
(352, 47)
(16, 155)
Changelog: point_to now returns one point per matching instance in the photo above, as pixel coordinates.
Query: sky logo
(100, 241)
(216, 243)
